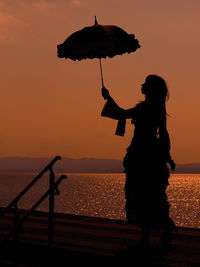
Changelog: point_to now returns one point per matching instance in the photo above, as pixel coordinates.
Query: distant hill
(188, 168)
(91, 165)
(20, 164)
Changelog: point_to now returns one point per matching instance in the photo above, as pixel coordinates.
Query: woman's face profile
(144, 88)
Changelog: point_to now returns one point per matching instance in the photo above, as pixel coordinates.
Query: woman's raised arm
(119, 112)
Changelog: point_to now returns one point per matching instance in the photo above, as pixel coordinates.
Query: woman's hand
(105, 93)
(172, 165)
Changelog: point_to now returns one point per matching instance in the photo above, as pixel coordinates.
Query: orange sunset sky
(51, 106)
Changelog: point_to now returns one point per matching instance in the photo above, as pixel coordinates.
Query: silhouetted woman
(146, 159)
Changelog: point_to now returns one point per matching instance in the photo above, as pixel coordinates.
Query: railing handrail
(17, 198)
(20, 222)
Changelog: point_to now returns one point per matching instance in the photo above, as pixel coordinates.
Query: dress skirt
(145, 187)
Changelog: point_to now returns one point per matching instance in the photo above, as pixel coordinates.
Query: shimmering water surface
(102, 195)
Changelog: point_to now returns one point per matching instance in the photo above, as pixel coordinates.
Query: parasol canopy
(97, 41)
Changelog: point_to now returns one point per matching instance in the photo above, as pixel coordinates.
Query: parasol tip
(95, 22)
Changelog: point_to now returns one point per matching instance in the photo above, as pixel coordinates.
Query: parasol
(97, 41)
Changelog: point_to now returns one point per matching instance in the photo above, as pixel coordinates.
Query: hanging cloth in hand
(114, 112)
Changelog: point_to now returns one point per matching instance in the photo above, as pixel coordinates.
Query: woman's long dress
(146, 168)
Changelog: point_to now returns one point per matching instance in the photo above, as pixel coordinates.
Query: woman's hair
(157, 88)
(157, 92)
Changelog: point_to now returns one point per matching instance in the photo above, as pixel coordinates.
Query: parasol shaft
(101, 72)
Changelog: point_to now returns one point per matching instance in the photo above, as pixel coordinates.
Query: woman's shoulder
(140, 105)
(133, 112)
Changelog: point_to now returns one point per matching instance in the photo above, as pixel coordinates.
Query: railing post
(53, 189)
(51, 207)
(16, 220)
(20, 222)
(19, 196)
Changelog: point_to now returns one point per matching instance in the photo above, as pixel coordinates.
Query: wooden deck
(95, 240)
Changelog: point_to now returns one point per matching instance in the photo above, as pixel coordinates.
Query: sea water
(102, 195)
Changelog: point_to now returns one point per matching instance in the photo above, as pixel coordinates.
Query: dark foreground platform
(80, 240)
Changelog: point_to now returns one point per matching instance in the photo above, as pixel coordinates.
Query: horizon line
(80, 158)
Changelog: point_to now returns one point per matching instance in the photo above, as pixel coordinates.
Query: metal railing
(53, 189)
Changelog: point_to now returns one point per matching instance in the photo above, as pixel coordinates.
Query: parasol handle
(101, 72)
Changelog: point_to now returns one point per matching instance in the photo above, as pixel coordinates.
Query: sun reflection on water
(102, 195)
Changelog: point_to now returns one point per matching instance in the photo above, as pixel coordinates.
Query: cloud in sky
(7, 21)
(17, 18)
(77, 3)
(20, 19)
